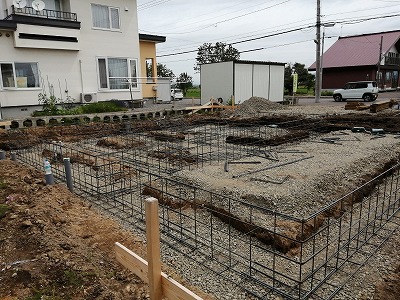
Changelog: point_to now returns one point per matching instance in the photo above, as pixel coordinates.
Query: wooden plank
(175, 291)
(380, 106)
(5, 123)
(137, 265)
(153, 248)
(131, 261)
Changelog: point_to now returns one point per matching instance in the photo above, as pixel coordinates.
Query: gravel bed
(330, 170)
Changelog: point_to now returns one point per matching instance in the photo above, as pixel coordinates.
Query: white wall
(246, 80)
(216, 81)
(277, 78)
(62, 68)
(259, 80)
(243, 88)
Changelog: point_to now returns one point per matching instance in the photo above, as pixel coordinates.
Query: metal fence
(262, 251)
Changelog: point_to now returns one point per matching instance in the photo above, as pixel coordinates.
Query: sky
(187, 24)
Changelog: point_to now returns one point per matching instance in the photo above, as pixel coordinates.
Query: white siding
(243, 82)
(277, 77)
(216, 81)
(261, 87)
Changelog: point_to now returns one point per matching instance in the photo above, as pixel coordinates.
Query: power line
(151, 4)
(354, 21)
(244, 41)
(208, 14)
(229, 19)
(247, 51)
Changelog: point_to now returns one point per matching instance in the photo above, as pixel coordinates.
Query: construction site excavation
(273, 202)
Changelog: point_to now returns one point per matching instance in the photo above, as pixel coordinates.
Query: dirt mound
(255, 106)
(54, 246)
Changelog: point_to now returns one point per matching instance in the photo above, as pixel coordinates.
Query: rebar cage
(260, 250)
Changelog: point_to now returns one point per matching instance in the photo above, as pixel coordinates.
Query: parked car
(366, 90)
(176, 94)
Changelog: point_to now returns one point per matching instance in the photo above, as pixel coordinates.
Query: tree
(305, 78)
(163, 71)
(209, 53)
(184, 82)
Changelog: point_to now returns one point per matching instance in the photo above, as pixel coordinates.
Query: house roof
(152, 38)
(358, 50)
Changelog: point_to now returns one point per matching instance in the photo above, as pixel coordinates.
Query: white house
(72, 48)
(243, 80)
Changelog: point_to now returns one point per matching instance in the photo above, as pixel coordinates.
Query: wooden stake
(153, 248)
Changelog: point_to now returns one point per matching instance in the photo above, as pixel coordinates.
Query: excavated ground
(53, 245)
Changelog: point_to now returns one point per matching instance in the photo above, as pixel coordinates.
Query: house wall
(148, 50)
(73, 70)
(336, 78)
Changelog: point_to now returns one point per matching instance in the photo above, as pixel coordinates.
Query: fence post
(153, 248)
(2, 155)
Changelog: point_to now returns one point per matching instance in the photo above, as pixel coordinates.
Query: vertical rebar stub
(13, 156)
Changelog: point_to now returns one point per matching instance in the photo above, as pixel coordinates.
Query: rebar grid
(241, 242)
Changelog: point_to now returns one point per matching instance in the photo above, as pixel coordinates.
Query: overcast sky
(188, 24)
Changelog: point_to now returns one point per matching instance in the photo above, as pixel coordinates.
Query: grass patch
(3, 185)
(72, 278)
(193, 93)
(3, 210)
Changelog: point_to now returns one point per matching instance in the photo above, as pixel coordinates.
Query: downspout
(81, 72)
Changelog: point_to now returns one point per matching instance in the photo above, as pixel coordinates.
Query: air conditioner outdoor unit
(88, 97)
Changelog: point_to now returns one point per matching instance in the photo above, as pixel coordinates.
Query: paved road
(331, 102)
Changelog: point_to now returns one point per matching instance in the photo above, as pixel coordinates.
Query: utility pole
(318, 54)
(378, 75)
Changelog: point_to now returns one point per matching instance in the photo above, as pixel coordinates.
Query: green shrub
(326, 93)
(92, 108)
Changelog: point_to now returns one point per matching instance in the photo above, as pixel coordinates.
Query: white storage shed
(243, 80)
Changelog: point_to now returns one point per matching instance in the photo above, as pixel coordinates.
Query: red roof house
(355, 58)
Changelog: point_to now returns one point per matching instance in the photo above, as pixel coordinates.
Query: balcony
(45, 17)
(392, 61)
(44, 29)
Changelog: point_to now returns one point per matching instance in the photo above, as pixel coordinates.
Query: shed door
(243, 82)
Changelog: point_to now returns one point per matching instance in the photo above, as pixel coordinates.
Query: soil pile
(54, 246)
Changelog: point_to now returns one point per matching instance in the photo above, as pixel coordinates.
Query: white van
(176, 94)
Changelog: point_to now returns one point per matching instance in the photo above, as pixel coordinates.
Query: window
(105, 17)
(149, 70)
(19, 75)
(116, 73)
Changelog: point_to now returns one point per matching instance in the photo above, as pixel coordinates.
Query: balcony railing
(392, 60)
(45, 13)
